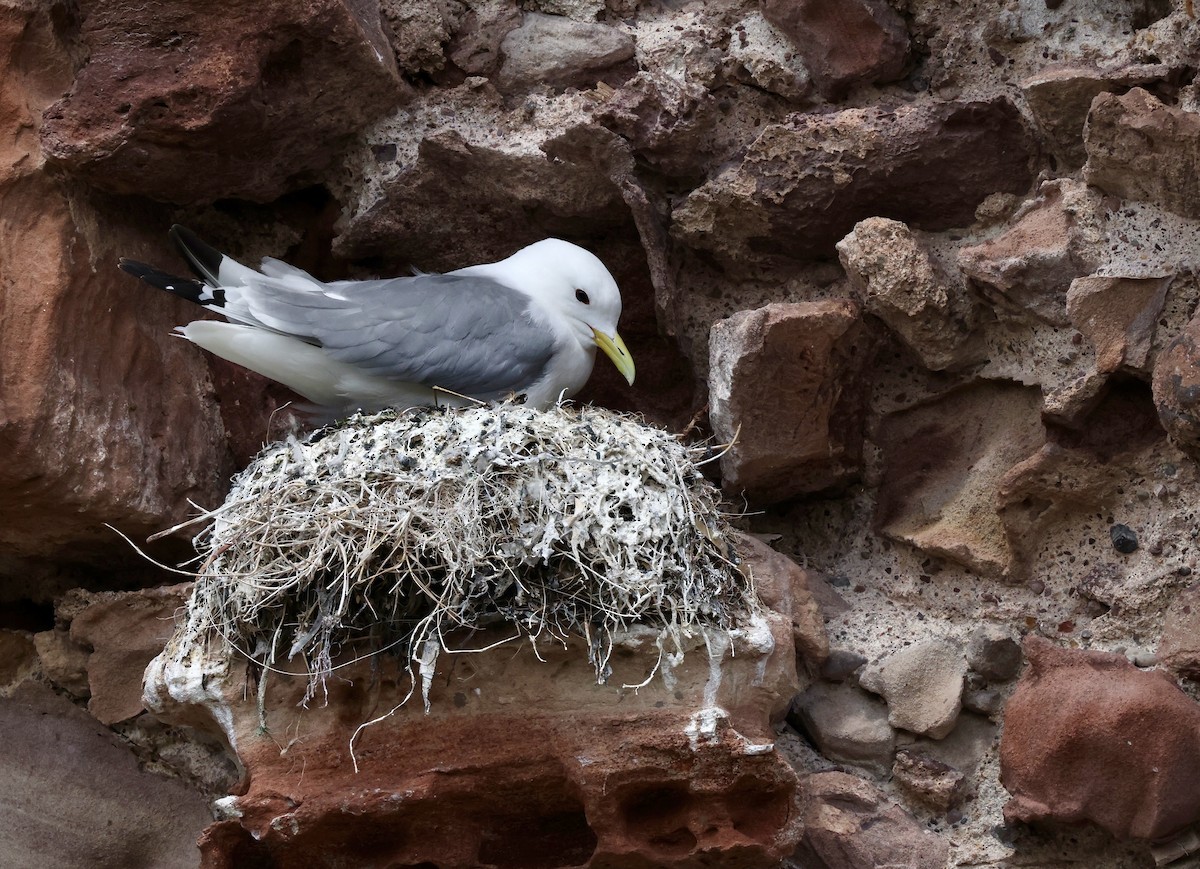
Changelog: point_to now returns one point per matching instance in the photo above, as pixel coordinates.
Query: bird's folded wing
(468, 334)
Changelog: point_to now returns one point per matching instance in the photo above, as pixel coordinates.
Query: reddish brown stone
(784, 391)
(803, 184)
(1177, 387)
(106, 418)
(201, 101)
(786, 587)
(1089, 737)
(945, 462)
(518, 762)
(1030, 266)
(124, 631)
(843, 42)
(1119, 316)
(1138, 148)
(1059, 95)
(1179, 649)
(850, 824)
(670, 124)
(462, 203)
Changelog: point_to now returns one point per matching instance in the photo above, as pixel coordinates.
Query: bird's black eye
(583, 297)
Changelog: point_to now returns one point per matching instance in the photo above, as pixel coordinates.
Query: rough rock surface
(1088, 736)
(932, 782)
(849, 823)
(1118, 315)
(770, 60)
(993, 653)
(1179, 650)
(846, 723)
(789, 590)
(1006, 191)
(555, 51)
(1177, 387)
(1061, 95)
(123, 631)
(1141, 149)
(80, 795)
(1031, 264)
(103, 416)
(843, 43)
(781, 385)
(803, 185)
(673, 772)
(922, 684)
(18, 659)
(901, 283)
(174, 108)
(945, 463)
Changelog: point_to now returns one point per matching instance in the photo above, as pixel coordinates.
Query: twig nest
(401, 530)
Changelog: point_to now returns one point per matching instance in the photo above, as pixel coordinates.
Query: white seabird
(527, 325)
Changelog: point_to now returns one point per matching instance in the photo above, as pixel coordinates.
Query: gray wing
(469, 334)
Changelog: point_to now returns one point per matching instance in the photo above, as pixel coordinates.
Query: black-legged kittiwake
(526, 325)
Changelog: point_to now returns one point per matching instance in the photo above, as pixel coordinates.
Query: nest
(408, 531)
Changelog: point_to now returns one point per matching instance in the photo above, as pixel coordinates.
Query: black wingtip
(185, 288)
(204, 259)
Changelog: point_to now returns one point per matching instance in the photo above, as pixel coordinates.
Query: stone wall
(930, 267)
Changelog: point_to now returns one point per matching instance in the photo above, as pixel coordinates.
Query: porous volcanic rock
(782, 392)
(537, 764)
(900, 282)
(198, 100)
(993, 653)
(930, 781)
(843, 42)
(556, 51)
(1179, 648)
(1089, 737)
(668, 123)
(770, 61)
(803, 184)
(850, 824)
(500, 198)
(922, 684)
(1061, 94)
(1119, 316)
(1177, 387)
(1141, 149)
(945, 461)
(81, 796)
(1051, 241)
(475, 46)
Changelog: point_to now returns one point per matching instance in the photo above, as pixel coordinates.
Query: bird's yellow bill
(614, 348)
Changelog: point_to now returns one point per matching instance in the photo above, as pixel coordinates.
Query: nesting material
(405, 531)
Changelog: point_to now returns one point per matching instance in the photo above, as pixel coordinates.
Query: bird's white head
(573, 283)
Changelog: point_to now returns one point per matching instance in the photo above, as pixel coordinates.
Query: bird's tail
(204, 259)
(214, 270)
(185, 288)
